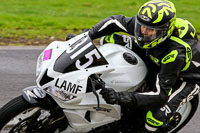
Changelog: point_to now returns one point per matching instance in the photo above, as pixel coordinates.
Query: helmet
(155, 22)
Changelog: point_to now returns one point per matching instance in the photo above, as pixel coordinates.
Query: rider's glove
(124, 98)
(70, 36)
(110, 95)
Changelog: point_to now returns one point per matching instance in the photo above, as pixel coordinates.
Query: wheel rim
(185, 112)
(19, 119)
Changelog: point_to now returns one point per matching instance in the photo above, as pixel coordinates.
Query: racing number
(90, 58)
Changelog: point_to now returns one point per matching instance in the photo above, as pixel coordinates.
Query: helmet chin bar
(152, 44)
(145, 36)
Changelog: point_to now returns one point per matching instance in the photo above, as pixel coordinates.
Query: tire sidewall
(194, 105)
(12, 109)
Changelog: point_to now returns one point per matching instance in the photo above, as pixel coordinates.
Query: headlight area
(39, 64)
(44, 56)
(60, 94)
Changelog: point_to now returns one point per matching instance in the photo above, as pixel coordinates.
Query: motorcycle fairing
(70, 64)
(47, 54)
(79, 57)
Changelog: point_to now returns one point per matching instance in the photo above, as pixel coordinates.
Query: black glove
(124, 98)
(70, 36)
(110, 95)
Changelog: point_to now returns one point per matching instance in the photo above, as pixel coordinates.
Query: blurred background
(38, 22)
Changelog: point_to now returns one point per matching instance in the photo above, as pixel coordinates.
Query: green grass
(43, 18)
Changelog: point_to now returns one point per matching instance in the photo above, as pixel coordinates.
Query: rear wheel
(187, 111)
(18, 116)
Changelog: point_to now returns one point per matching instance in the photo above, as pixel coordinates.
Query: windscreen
(82, 54)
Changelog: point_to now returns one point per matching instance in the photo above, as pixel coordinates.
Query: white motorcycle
(70, 75)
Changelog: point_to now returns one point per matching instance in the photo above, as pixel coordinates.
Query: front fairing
(68, 64)
(81, 55)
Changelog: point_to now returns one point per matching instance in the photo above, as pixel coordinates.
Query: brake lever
(98, 108)
(94, 92)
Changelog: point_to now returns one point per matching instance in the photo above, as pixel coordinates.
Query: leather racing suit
(176, 67)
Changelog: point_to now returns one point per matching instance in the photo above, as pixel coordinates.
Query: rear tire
(194, 105)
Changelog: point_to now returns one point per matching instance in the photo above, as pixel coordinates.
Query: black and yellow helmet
(155, 22)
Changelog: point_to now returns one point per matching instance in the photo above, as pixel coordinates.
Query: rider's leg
(158, 118)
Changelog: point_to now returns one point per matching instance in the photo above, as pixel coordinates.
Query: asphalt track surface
(17, 71)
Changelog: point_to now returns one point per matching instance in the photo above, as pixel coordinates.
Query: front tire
(12, 109)
(20, 116)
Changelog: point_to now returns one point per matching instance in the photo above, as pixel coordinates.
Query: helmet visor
(146, 33)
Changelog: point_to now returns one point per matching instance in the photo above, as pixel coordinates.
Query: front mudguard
(32, 94)
(38, 97)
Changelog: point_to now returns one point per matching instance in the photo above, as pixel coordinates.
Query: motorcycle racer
(171, 43)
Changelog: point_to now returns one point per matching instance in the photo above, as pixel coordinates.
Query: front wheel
(18, 116)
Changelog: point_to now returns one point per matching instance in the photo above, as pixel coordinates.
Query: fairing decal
(81, 55)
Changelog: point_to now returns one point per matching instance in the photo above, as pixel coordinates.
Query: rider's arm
(155, 99)
(117, 23)
(166, 79)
